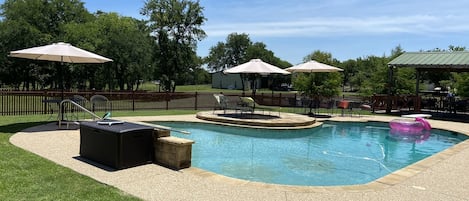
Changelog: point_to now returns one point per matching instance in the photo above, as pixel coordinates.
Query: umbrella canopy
(256, 66)
(313, 67)
(61, 52)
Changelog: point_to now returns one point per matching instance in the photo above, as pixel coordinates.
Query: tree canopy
(239, 49)
(176, 25)
(163, 47)
(319, 85)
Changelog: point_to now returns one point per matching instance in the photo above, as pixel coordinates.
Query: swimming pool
(332, 154)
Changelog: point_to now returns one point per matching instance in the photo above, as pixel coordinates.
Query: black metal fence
(435, 103)
(46, 102)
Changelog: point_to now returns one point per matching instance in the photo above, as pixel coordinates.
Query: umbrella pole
(243, 83)
(61, 89)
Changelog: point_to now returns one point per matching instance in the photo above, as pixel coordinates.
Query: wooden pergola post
(390, 85)
(417, 90)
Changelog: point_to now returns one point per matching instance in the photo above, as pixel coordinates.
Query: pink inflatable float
(410, 126)
(425, 123)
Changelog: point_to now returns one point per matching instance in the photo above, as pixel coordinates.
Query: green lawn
(26, 176)
(203, 88)
(186, 88)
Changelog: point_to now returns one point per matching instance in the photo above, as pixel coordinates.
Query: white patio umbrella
(60, 52)
(313, 67)
(256, 67)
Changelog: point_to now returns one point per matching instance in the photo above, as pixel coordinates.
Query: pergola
(457, 61)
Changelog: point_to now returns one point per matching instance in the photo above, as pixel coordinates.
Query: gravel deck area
(443, 176)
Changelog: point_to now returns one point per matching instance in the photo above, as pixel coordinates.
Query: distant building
(230, 81)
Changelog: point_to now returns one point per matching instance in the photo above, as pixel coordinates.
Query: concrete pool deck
(443, 176)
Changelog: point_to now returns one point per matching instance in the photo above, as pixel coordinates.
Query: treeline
(370, 75)
(366, 75)
(163, 47)
(160, 48)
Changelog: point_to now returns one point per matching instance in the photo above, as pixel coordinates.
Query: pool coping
(413, 179)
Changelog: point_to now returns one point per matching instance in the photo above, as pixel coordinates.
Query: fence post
(417, 102)
(272, 98)
(195, 108)
(3, 102)
(15, 104)
(261, 98)
(167, 100)
(295, 101)
(280, 99)
(133, 100)
(44, 97)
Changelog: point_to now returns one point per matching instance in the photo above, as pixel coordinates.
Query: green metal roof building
(430, 61)
(457, 61)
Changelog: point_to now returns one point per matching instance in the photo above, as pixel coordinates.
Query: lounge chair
(224, 104)
(218, 104)
(251, 103)
(100, 103)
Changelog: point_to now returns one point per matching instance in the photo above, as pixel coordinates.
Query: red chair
(343, 104)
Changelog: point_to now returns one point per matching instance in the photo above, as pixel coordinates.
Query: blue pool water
(333, 154)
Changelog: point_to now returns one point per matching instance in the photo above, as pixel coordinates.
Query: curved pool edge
(387, 181)
(282, 120)
(384, 182)
(438, 177)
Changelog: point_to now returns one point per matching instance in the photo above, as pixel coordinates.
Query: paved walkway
(441, 177)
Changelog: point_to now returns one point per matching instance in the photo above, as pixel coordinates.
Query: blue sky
(347, 29)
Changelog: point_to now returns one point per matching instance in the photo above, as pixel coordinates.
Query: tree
(375, 71)
(31, 23)
(217, 59)
(453, 48)
(236, 49)
(201, 76)
(176, 25)
(258, 50)
(239, 49)
(129, 44)
(319, 56)
(231, 53)
(322, 84)
(15, 35)
(351, 74)
(318, 85)
(462, 84)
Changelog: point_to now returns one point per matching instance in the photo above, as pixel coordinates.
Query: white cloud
(334, 26)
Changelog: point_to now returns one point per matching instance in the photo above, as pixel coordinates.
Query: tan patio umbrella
(256, 67)
(313, 67)
(60, 52)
